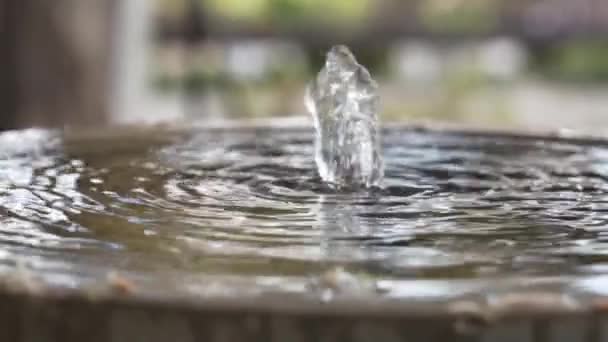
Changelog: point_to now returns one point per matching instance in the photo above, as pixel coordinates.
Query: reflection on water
(248, 206)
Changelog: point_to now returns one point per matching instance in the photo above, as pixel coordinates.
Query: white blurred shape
(248, 60)
(253, 59)
(416, 62)
(133, 99)
(502, 58)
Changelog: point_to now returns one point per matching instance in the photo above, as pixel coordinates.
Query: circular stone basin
(228, 234)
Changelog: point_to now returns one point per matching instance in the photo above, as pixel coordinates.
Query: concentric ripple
(249, 202)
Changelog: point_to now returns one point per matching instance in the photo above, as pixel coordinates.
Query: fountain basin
(227, 234)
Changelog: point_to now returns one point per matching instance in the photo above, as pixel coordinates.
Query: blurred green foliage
(459, 15)
(455, 94)
(281, 12)
(575, 62)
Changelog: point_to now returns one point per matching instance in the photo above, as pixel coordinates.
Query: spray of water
(343, 100)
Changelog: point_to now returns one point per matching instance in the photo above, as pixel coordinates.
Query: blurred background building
(518, 63)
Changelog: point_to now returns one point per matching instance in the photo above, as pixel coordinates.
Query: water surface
(247, 205)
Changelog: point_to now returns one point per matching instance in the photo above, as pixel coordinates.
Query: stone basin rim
(514, 305)
(583, 137)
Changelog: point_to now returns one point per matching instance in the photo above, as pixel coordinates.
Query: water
(180, 210)
(343, 101)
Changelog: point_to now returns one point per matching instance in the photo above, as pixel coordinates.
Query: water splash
(343, 101)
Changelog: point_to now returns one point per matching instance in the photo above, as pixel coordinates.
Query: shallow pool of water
(246, 206)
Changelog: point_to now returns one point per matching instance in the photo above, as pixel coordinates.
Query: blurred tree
(56, 62)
